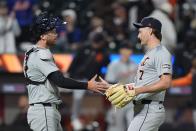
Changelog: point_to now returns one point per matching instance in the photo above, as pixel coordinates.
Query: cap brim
(138, 25)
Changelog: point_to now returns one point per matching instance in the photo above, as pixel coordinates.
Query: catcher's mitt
(119, 95)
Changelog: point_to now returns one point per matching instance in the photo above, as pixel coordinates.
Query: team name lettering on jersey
(144, 61)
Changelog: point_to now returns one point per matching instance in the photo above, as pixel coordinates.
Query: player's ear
(43, 37)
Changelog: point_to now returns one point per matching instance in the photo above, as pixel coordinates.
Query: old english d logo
(144, 61)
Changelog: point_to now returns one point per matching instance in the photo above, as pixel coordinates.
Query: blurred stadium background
(95, 31)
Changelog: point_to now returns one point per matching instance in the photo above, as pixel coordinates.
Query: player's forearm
(143, 96)
(61, 81)
(157, 87)
(163, 84)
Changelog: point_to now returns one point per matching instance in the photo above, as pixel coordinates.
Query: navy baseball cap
(149, 22)
(46, 22)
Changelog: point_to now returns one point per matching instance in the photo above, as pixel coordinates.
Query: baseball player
(43, 77)
(153, 77)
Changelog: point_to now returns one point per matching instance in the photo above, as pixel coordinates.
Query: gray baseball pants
(147, 117)
(44, 118)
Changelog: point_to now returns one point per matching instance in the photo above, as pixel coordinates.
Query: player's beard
(142, 41)
(139, 40)
(51, 43)
(143, 46)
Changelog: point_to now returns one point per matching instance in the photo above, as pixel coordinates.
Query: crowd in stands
(112, 19)
(96, 29)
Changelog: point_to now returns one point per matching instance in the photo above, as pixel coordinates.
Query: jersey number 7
(142, 72)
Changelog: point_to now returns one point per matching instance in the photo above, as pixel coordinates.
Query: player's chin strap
(29, 81)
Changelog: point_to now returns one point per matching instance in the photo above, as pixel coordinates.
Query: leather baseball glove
(120, 95)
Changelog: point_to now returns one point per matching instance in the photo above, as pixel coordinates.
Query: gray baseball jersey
(155, 63)
(40, 64)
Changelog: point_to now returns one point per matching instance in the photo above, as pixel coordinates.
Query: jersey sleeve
(45, 63)
(163, 63)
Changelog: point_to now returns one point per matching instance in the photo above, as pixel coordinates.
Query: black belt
(145, 102)
(45, 104)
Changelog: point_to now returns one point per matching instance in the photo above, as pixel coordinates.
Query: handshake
(118, 94)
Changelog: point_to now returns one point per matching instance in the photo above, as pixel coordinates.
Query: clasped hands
(118, 94)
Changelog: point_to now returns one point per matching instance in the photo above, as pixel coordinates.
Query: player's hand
(96, 86)
(120, 95)
(103, 81)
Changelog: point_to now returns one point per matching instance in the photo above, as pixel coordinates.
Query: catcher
(44, 77)
(153, 77)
